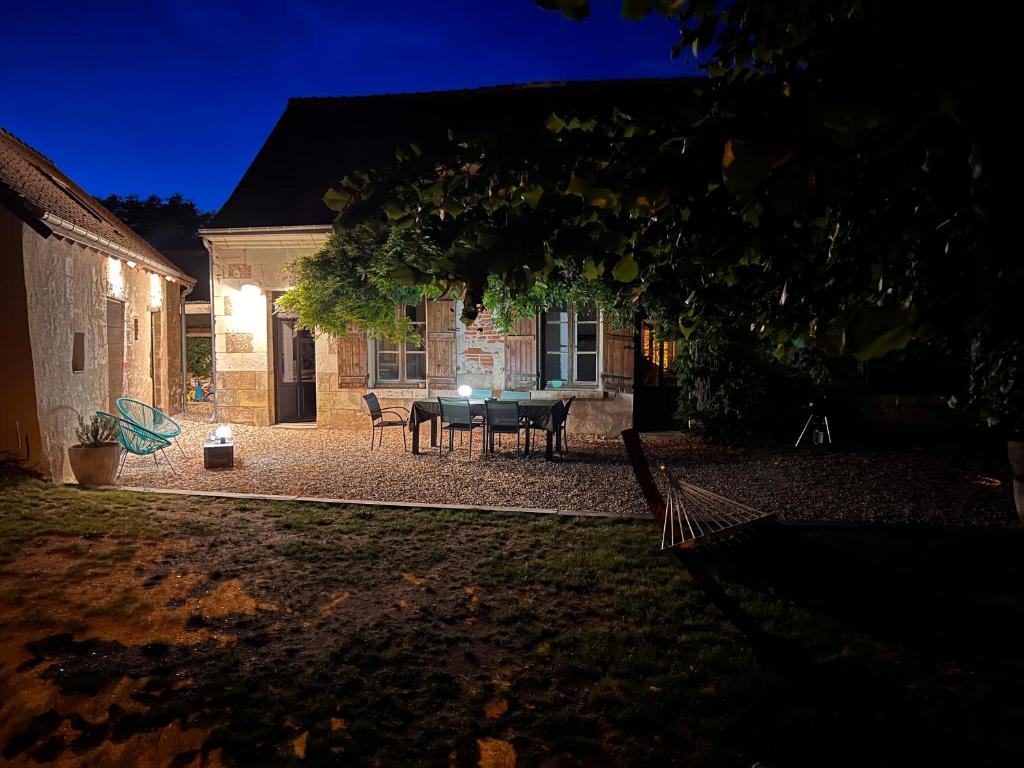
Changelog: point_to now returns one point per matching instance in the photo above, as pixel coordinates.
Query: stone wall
(480, 353)
(68, 287)
(242, 332)
(243, 346)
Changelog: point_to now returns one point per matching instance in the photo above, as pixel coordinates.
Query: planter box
(94, 466)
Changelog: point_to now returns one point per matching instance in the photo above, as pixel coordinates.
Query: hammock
(689, 516)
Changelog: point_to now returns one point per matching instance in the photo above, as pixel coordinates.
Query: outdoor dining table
(539, 412)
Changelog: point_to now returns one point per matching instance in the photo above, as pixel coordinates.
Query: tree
(839, 184)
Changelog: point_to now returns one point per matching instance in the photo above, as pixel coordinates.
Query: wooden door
(441, 343)
(521, 356)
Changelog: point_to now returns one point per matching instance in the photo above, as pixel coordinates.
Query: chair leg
(155, 462)
(471, 444)
(178, 443)
(173, 470)
(373, 432)
(124, 457)
(405, 440)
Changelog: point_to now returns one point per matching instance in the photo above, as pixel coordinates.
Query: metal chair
(457, 416)
(502, 419)
(563, 428)
(137, 440)
(557, 417)
(510, 394)
(379, 421)
(150, 419)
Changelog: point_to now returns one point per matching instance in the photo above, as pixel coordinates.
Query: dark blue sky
(157, 98)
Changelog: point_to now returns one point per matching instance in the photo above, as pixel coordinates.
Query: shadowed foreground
(148, 630)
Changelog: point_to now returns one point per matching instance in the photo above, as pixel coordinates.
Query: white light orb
(251, 290)
(222, 433)
(465, 390)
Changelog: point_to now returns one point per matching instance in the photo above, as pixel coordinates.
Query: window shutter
(352, 359)
(618, 358)
(441, 343)
(521, 355)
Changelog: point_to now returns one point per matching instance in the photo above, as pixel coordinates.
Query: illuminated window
(657, 355)
(570, 345)
(405, 363)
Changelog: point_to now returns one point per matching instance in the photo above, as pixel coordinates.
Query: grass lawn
(164, 630)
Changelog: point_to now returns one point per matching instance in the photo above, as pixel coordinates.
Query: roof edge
(66, 228)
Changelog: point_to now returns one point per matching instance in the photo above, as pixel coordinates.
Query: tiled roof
(317, 141)
(30, 180)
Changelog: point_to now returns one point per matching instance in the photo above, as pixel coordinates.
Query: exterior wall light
(131, 264)
(249, 289)
(465, 390)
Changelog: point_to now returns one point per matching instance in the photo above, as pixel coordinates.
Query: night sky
(157, 98)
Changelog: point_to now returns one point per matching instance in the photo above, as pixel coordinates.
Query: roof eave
(73, 231)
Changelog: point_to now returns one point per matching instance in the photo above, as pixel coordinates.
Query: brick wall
(481, 353)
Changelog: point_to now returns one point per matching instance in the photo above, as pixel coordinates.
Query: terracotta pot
(1015, 451)
(1018, 496)
(94, 465)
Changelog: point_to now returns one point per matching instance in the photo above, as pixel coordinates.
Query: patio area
(944, 486)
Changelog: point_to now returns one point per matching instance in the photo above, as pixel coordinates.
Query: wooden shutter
(441, 343)
(353, 371)
(617, 358)
(521, 355)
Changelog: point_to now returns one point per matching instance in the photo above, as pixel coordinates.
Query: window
(657, 356)
(78, 353)
(405, 363)
(570, 345)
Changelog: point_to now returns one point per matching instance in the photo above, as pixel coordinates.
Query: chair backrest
(133, 438)
(373, 405)
(149, 418)
(568, 405)
(481, 394)
(558, 414)
(509, 394)
(502, 413)
(455, 410)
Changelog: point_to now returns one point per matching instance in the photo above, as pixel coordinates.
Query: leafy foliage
(199, 356)
(358, 279)
(97, 432)
(838, 185)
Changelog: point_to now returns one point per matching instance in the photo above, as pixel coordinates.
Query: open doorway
(294, 370)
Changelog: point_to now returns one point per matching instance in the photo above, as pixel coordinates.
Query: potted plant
(94, 459)
(996, 389)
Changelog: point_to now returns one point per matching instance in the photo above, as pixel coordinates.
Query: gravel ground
(934, 486)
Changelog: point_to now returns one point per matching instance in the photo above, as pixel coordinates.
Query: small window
(405, 363)
(570, 345)
(135, 326)
(78, 353)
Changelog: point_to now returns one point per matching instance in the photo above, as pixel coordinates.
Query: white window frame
(572, 382)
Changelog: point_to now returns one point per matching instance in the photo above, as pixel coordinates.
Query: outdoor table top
(538, 411)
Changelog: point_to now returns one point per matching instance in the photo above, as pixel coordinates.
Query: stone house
(93, 312)
(267, 371)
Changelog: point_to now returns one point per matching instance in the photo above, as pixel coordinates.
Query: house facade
(93, 312)
(266, 371)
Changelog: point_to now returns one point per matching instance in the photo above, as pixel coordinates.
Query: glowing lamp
(251, 290)
(219, 449)
(222, 433)
(465, 390)
(130, 263)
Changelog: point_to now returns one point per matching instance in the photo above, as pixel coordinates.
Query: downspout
(184, 351)
(213, 338)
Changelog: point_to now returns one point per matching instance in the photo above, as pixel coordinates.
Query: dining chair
(502, 418)
(511, 394)
(457, 416)
(380, 421)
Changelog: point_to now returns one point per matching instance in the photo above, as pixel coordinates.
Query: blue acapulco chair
(136, 440)
(150, 419)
